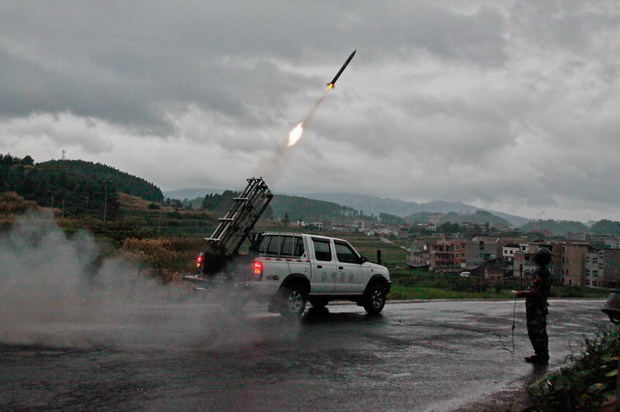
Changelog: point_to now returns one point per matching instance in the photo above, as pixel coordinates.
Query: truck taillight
(257, 270)
(200, 259)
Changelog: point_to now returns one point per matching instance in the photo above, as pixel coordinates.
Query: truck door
(352, 275)
(324, 268)
(275, 267)
(294, 251)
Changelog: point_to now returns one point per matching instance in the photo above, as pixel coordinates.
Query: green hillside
(556, 227)
(606, 227)
(422, 217)
(480, 217)
(297, 208)
(301, 208)
(121, 181)
(56, 187)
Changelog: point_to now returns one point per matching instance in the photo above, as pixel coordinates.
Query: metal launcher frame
(237, 225)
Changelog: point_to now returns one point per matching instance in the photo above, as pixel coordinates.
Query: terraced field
(392, 255)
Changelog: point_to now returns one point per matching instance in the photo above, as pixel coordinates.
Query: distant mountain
(376, 205)
(190, 194)
(556, 227)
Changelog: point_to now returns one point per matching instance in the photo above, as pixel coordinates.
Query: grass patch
(168, 257)
(587, 382)
(420, 284)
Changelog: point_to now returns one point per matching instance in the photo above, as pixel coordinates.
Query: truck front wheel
(374, 301)
(293, 301)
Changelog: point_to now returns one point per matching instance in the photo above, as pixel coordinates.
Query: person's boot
(538, 359)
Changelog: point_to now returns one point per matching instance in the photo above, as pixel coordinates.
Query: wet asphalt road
(427, 355)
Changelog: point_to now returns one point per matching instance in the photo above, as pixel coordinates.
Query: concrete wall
(573, 264)
(611, 265)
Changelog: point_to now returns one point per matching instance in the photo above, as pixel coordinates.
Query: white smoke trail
(271, 169)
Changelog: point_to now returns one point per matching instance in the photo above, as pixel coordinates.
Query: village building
(572, 263)
(509, 250)
(418, 256)
(593, 270)
(611, 268)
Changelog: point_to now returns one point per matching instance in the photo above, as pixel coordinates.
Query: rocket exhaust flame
(295, 134)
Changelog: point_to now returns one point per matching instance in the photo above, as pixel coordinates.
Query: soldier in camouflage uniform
(536, 306)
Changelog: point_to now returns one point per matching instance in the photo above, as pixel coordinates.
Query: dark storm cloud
(510, 104)
(129, 63)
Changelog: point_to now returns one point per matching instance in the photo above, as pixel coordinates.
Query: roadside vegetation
(168, 258)
(419, 284)
(588, 382)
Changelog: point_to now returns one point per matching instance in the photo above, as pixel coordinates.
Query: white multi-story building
(508, 252)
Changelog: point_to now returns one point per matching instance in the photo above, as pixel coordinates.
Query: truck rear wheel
(374, 301)
(293, 301)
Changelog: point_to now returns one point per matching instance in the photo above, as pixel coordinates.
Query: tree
(449, 227)
(27, 161)
(389, 219)
(219, 203)
(606, 227)
(286, 219)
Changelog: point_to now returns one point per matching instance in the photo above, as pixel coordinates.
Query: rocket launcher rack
(238, 223)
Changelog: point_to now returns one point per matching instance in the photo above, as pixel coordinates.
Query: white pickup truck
(289, 269)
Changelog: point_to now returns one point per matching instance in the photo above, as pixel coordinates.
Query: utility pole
(105, 201)
(161, 206)
(63, 206)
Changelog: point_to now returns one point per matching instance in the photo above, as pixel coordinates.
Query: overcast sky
(508, 105)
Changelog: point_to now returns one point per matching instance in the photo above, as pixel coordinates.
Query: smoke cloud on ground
(55, 292)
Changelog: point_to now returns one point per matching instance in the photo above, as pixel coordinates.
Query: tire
(318, 303)
(292, 301)
(375, 297)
